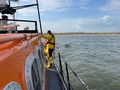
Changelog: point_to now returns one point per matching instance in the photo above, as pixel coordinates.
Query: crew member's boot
(45, 63)
(50, 60)
(48, 65)
(45, 66)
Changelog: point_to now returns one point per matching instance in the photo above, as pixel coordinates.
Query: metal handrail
(12, 37)
(80, 80)
(58, 69)
(67, 66)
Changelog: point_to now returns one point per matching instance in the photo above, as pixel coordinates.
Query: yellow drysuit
(49, 46)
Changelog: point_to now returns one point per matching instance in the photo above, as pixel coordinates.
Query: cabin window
(35, 76)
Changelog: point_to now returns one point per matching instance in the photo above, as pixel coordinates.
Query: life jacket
(50, 41)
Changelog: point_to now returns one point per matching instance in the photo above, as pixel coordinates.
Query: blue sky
(75, 15)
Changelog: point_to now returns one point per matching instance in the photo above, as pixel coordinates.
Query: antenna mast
(39, 16)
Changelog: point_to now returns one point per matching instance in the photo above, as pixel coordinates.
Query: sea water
(95, 59)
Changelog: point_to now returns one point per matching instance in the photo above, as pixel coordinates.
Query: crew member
(8, 27)
(50, 46)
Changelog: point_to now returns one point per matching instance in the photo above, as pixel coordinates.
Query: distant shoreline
(90, 34)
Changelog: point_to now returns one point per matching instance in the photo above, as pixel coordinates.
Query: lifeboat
(18, 59)
(22, 56)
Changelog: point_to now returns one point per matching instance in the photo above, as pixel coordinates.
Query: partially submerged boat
(22, 56)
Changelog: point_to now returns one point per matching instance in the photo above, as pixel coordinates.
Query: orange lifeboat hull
(13, 58)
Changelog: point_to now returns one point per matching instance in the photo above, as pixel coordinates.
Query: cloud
(27, 12)
(105, 18)
(54, 5)
(82, 3)
(45, 5)
(63, 26)
(104, 23)
(62, 5)
(113, 5)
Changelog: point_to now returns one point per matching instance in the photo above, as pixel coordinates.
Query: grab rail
(11, 37)
(62, 73)
(14, 39)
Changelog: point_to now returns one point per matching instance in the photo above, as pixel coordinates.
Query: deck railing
(65, 75)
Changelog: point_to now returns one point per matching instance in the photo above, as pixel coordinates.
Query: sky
(75, 15)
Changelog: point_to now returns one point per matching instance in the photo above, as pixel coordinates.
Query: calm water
(96, 60)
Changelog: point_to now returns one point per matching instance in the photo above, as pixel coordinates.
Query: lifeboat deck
(53, 81)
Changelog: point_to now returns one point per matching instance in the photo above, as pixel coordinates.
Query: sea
(95, 60)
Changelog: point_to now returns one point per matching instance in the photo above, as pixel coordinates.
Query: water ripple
(96, 59)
